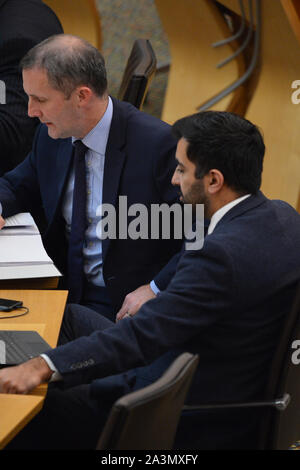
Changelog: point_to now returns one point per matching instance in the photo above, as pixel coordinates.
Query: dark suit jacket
(23, 24)
(226, 302)
(139, 164)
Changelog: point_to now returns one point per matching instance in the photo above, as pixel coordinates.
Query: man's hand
(25, 377)
(2, 222)
(135, 300)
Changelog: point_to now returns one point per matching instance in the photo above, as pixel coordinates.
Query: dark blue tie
(78, 225)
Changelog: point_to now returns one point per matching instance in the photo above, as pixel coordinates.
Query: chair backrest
(139, 71)
(147, 419)
(280, 429)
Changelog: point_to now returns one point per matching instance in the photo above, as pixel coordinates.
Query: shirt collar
(217, 216)
(96, 139)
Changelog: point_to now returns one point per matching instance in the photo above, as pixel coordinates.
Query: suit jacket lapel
(114, 160)
(249, 203)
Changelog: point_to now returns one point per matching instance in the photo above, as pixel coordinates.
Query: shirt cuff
(154, 288)
(56, 375)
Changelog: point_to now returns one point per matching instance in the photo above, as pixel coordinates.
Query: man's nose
(33, 110)
(175, 179)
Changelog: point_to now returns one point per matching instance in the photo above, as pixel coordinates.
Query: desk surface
(46, 310)
(16, 411)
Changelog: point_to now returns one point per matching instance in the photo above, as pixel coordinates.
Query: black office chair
(147, 419)
(139, 71)
(280, 421)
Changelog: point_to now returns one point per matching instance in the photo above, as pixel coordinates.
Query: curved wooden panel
(192, 27)
(272, 109)
(233, 5)
(243, 54)
(79, 17)
(292, 10)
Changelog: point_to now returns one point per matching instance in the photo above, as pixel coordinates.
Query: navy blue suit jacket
(226, 303)
(139, 163)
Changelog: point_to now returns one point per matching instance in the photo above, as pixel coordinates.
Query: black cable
(15, 316)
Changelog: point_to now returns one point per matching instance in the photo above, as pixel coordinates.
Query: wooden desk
(16, 411)
(34, 283)
(46, 310)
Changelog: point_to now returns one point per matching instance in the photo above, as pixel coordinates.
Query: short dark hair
(69, 61)
(227, 142)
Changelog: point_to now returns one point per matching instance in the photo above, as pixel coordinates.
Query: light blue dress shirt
(96, 141)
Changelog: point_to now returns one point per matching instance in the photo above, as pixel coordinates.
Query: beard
(196, 195)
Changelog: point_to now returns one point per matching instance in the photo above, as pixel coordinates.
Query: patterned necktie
(78, 225)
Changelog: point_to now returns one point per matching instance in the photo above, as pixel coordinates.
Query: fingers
(134, 300)
(2, 222)
(125, 311)
(10, 381)
(25, 377)
(129, 308)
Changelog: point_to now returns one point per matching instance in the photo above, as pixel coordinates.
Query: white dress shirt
(217, 216)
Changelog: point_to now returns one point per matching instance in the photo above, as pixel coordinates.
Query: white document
(24, 271)
(22, 249)
(22, 254)
(19, 224)
(24, 219)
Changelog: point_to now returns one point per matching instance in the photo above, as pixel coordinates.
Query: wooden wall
(79, 17)
(191, 28)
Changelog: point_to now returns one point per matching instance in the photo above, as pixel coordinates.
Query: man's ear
(83, 94)
(214, 181)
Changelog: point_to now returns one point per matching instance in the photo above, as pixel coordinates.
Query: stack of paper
(22, 254)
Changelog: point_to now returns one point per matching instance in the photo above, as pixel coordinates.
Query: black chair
(147, 419)
(139, 71)
(279, 427)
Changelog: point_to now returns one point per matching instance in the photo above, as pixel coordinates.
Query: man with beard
(226, 302)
